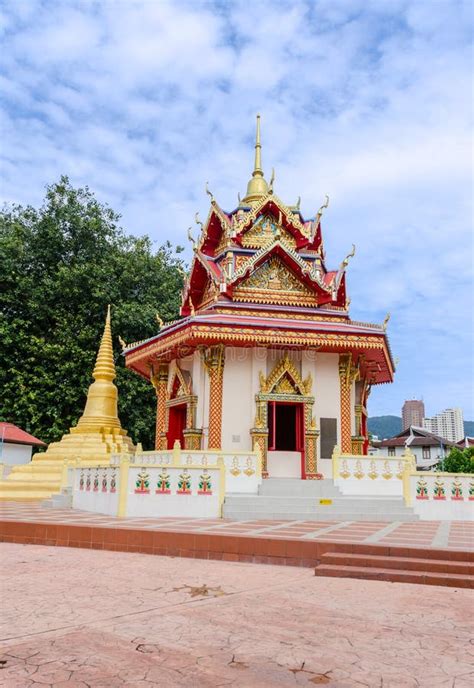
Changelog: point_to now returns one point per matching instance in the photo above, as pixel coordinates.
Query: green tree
(60, 265)
(458, 461)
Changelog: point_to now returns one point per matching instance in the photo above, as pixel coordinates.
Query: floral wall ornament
(104, 481)
(400, 470)
(344, 472)
(81, 480)
(96, 482)
(163, 485)
(235, 469)
(205, 484)
(249, 467)
(439, 491)
(142, 484)
(387, 472)
(456, 490)
(113, 482)
(358, 473)
(471, 491)
(422, 489)
(372, 471)
(88, 481)
(184, 483)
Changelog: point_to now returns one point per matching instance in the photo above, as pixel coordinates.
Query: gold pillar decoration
(214, 358)
(347, 374)
(310, 443)
(160, 383)
(358, 438)
(259, 433)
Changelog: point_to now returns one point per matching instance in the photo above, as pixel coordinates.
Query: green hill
(469, 428)
(385, 426)
(388, 426)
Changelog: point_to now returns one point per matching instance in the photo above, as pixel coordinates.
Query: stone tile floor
(439, 534)
(74, 618)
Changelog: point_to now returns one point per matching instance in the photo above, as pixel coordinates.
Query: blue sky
(369, 102)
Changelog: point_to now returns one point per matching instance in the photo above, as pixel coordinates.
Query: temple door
(176, 425)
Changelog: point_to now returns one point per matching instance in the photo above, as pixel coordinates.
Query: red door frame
(300, 434)
(176, 424)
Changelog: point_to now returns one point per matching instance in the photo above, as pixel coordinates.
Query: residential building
(413, 412)
(429, 449)
(16, 445)
(448, 424)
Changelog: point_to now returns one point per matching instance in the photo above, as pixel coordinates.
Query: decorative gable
(265, 230)
(273, 282)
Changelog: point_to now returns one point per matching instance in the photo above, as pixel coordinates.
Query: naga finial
(191, 306)
(385, 322)
(272, 179)
(159, 320)
(191, 238)
(298, 203)
(350, 255)
(209, 193)
(322, 208)
(198, 221)
(238, 198)
(122, 343)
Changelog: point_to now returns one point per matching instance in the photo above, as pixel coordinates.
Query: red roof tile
(11, 433)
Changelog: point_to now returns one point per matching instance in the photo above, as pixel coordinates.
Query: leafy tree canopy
(458, 461)
(60, 265)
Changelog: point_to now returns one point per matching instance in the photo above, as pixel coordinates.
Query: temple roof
(259, 278)
(12, 434)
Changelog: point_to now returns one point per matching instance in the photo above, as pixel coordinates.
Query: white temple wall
(238, 407)
(326, 390)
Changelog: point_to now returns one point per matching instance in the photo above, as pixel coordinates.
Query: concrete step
(294, 487)
(452, 580)
(465, 568)
(379, 517)
(357, 502)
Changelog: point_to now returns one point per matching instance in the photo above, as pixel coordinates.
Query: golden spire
(101, 405)
(104, 368)
(257, 186)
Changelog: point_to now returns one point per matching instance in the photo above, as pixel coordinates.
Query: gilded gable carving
(285, 379)
(273, 282)
(263, 231)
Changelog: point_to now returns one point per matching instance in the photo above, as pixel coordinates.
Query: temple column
(160, 383)
(214, 361)
(347, 374)
(259, 433)
(310, 444)
(192, 436)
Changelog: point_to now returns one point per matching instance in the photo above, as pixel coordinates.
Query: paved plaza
(440, 534)
(79, 618)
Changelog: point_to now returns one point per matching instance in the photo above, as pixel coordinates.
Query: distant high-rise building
(413, 412)
(448, 424)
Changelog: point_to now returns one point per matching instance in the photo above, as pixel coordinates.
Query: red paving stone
(457, 535)
(73, 618)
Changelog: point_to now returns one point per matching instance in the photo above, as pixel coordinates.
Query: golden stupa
(97, 435)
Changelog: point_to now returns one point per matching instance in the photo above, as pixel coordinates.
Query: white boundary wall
(442, 496)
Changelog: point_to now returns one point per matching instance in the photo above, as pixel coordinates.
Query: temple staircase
(312, 500)
(400, 565)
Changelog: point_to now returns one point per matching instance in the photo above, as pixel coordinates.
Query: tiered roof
(259, 277)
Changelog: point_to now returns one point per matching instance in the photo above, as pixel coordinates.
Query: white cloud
(368, 101)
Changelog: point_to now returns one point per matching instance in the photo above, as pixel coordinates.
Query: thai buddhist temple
(265, 354)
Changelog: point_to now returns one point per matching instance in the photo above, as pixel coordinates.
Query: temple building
(265, 353)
